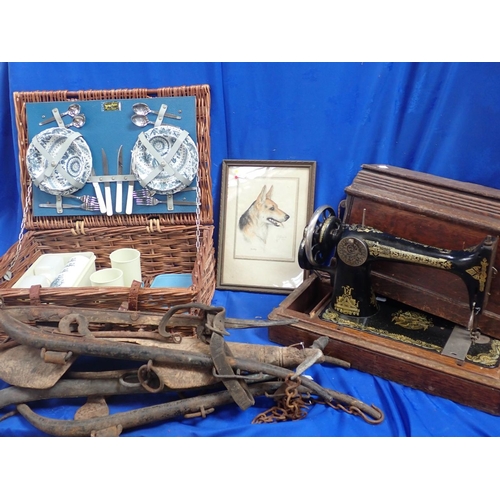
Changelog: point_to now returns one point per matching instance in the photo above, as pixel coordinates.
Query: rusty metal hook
(146, 374)
(354, 410)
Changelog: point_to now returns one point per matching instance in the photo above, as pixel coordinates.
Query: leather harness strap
(219, 350)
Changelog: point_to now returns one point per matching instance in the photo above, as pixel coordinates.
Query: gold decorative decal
(332, 316)
(487, 358)
(378, 250)
(480, 273)
(345, 304)
(412, 320)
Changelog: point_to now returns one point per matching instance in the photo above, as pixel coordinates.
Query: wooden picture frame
(265, 206)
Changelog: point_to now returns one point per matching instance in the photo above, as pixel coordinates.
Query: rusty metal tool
(87, 345)
(69, 388)
(135, 418)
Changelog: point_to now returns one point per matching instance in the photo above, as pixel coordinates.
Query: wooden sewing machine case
(434, 211)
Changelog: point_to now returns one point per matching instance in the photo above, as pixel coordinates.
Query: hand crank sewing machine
(383, 336)
(346, 252)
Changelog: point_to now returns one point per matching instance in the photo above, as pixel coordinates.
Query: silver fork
(86, 205)
(90, 205)
(143, 193)
(85, 198)
(150, 201)
(147, 193)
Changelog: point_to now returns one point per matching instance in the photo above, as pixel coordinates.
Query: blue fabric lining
(440, 118)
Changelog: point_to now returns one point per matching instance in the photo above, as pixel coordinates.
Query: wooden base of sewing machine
(466, 382)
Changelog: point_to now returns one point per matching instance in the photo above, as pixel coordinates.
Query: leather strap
(133, 296)
(35, 295)
(238, 388)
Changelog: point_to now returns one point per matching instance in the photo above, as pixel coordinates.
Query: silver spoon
(78, 122)
(143, 109)
(73, 110)
(141, 120)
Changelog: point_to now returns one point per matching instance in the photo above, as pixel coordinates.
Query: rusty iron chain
(292, 406)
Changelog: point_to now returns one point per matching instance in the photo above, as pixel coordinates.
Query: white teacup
(107, 277)
(129, 261)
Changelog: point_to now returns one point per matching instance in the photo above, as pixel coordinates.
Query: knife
(119, 182)
(98, 193)
(107, 186)
(130, 192)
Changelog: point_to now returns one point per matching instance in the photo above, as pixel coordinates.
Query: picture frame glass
(265, 206)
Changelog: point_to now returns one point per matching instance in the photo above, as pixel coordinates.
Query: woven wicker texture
(202, 94)
(169, 243)
(173, 250)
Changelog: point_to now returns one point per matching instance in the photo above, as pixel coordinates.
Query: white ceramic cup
(107, 277)
(129, 261)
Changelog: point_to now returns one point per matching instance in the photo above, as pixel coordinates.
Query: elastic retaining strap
(53, 162)
(164, 163)
(161, 114)
(58, 118)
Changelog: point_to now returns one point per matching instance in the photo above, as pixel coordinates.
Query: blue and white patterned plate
(76, 161)
(184, 161)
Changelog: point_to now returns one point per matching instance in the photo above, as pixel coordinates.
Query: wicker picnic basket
(168, 242)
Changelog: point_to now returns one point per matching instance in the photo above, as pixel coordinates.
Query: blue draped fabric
(440, 118)
(10, 211)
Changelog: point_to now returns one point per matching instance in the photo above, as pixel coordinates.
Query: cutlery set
(141, 111)
(103, 201)
(139, 118)
(146, 197)
(100, 202)
(74, 111)
(105, 204)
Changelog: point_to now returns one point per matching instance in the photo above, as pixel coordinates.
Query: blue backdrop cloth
(440, 118)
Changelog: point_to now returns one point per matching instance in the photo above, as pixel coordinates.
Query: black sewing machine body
(347, 251)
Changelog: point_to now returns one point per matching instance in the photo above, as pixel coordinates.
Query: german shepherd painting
(262, 213)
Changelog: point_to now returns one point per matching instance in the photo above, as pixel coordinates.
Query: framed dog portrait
(265, 206)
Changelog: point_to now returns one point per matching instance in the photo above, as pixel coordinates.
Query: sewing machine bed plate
(471, 383)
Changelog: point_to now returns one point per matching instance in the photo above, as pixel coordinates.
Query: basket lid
(185, 193)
